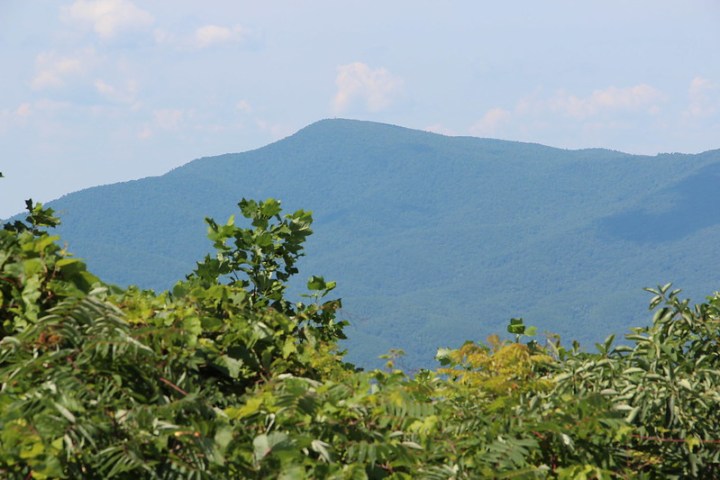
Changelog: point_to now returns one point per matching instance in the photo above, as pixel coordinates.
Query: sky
(100, 91)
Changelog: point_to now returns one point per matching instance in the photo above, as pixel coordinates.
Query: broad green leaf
(289, 347)
(223, 437)
(321, 448)
(264, 444)
(251, 407)
(270, 207)
(34, 450)
(316, 283)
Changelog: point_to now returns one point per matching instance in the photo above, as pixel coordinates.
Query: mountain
(432, 239)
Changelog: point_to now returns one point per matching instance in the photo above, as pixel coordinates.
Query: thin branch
(173, 386)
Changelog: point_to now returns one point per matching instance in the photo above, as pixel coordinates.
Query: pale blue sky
(100, 91)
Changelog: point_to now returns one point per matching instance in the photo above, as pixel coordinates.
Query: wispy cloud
(24, 110)
(603, 108)
(53, 70)
(107, 17)
(276, 130)
(244, 106)
(210, 35)
(165, 119)
(641, 97)
(12, 117)
(168, 118)
(357, 82)
(115, 93)
(704, 98)
(491, 122)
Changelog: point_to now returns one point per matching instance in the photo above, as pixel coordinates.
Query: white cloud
(117, 94)
(53, 70)
(105, 88)
(489, 124)
(641, 97)
(164, 37)
(14, 117)
(376, 88)
(244, 106)
(145, 133)
(604, 113)
(168, 119)
(704, 97)
(276, 130)
(206, 36)
(35, 114)
(108, 17)
(209, 35)
(24, 110)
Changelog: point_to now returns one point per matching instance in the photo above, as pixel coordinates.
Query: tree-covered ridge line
(223, 377)
(409, 219)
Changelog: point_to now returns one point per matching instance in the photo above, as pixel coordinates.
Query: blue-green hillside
(432, 239)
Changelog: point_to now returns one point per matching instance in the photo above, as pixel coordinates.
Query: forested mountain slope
(432, 239)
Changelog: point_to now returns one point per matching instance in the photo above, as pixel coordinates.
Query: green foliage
(38, 218)
(224, 377)
(518, 328)
(665, 383)
(35, 273)
(260, 261)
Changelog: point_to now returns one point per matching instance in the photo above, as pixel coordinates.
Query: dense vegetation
(436, 239)
(223, 377)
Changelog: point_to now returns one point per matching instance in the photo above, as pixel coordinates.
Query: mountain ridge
(432, 239)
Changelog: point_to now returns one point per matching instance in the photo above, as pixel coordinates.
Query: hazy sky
(100, 91)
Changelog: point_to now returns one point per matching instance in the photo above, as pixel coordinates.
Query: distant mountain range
(432, 239)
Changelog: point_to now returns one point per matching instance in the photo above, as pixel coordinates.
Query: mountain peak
(432, 239)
